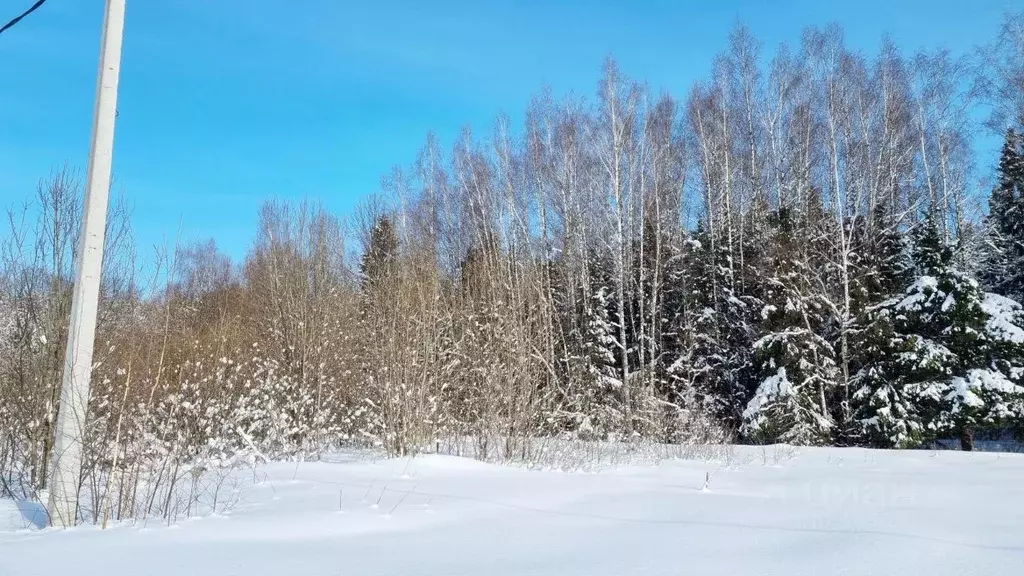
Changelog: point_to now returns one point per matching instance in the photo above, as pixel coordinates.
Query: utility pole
(66, 471)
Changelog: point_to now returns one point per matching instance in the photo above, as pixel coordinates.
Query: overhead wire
(18, 18)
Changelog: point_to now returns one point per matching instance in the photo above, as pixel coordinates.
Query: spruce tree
(1002, 271)
(885, 408)
(714, 369)
(380, 257)
(601, 382)
(797, 365)
(881, 261)
(882, 414)
(589, 403)
(942, 358)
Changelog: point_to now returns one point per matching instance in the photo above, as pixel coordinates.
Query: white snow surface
(918, 293)
(770, 511)
(773, 387)
(963, 390)
(1004, 317)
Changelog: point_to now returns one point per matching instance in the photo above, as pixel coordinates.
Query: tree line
(795, 251)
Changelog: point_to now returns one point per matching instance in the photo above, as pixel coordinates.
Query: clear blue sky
(226, 103)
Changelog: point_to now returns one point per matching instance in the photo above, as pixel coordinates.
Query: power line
(22, 15)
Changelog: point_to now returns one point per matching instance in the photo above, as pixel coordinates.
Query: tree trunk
(967, 439)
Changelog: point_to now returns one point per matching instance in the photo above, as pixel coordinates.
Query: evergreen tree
(380, 256)
(1002, 271)
(882, 270)
(590, 399)
(941, 358)
(881, 261)
(885, 409)
(797, 365)
(601, 383)
(675, 314)
(1004, 326)
(714, 370)
(599, 342)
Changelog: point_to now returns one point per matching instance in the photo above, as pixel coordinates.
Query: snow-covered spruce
(717, 333)
(797, 363)
(942, 358)
(1002, 254)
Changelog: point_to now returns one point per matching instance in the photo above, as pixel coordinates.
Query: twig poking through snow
(402, 499)
(381, 497)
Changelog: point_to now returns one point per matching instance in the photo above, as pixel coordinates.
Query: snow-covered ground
(820, 511)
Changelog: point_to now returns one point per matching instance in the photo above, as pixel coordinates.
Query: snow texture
(918, 293)
(964, 391)
(822, 511)
(1004, 318)
(773, 387)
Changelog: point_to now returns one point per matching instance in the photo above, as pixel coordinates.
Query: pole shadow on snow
(33, 513)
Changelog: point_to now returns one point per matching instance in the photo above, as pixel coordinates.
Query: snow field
(771, 511)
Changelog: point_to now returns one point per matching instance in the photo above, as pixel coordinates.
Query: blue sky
(226, 103)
